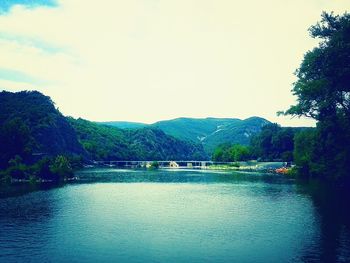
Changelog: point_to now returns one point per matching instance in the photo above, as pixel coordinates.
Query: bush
(154, 165)
(61, 168)
(17, 169)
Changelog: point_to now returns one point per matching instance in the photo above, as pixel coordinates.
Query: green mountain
(31, 126)
(191, 128)
(238, 132)
(104, 142)
(210, 132)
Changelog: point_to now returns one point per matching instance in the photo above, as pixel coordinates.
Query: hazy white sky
(148, 60)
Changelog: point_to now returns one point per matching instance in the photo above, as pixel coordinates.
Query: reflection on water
(176, 216)
(332, 211)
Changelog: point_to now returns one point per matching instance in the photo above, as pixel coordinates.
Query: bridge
(162, 164)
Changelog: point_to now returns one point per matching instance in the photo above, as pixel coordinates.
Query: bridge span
(162, 164)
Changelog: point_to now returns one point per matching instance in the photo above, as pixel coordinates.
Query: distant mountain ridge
(104, 142)
(124, 124)
(210, 132)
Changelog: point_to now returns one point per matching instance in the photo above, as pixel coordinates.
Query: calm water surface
(174, 216)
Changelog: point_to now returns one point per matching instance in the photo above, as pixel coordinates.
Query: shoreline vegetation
(47, 170)
(30, 174)
(247, 166)
(15, 186)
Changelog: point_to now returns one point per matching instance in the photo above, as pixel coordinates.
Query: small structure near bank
(173, 164)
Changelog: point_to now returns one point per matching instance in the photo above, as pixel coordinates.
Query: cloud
(6, 5)
(149, 60)
(31, 42)
(17, 76)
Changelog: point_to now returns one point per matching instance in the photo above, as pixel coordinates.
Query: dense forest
(31, 126)
(103, 142)
(273, 143)
(36, 139)
(210, 132)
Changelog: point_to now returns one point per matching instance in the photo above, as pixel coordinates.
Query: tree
(61, 167)
(15, 139)
(273, 143)
(42, 169)
(17, 169)
(323, 93)
(240, 153)
(304, 148)
(231, 153)
(222, 153)
(322, 88)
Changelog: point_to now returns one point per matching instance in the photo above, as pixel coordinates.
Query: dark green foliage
(274, 143)
(304, 150)
(110, 143)
(31, 126)
(17, 169)
(323, 81)
(41, 169)
(52, 169)
(61, 167)
(241, 153)
(154, 165)
(323, 93)
(15, 140)
(154, 144)
(100, 141)
(231, 153)
(32, 133)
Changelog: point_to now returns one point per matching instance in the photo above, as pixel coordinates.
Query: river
(114, 215)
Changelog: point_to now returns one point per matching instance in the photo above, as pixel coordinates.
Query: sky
(150, 60)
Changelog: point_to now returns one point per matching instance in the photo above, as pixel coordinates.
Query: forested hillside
(210, 132)
(31, 126)
(104, 142)
(272, 143)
